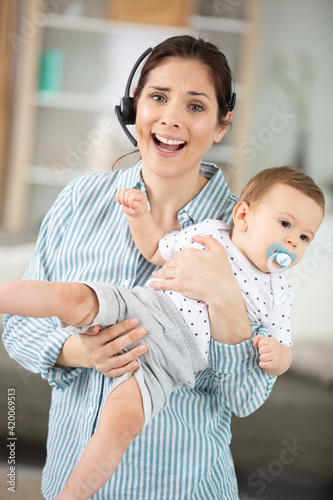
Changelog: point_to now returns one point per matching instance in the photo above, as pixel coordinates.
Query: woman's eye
(197, 108)
(285, 223)
(158, 98)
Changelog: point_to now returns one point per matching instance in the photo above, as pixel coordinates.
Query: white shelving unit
(220, 25)
(98, 56)
(70, 101)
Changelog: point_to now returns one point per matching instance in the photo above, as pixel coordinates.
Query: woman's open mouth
(168, 145)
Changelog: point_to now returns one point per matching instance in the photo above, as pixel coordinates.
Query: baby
(277, 216)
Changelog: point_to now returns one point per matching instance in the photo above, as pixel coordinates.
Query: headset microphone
(125, 112)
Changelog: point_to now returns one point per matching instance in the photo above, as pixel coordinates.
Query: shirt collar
(210, 202)
(131, 177)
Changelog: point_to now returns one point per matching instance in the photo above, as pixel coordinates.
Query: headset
(125, 111)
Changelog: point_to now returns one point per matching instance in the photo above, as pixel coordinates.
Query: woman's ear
(240, 215)
(222, 130)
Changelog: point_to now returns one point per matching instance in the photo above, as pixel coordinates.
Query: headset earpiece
(232, 103)
(125, 112)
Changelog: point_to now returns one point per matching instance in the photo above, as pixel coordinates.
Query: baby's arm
(73, 303)
(275, 358)
(145, 231)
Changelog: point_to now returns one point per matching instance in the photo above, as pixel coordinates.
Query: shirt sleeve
(36, 343)
(242, 383)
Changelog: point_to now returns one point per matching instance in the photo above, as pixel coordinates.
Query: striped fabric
(184, 454)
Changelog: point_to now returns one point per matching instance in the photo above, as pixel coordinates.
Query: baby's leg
(121, 420)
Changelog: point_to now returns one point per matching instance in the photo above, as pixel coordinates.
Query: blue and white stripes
(184, 453)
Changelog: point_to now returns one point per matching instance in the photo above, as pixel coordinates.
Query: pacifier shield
(279, 248)
(279, 254)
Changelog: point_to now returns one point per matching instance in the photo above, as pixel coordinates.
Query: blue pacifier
(279, 254)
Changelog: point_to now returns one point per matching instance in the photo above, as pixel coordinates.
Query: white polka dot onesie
(267, 297)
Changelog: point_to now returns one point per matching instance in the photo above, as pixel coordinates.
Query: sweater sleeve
(243, 384)
(32, 342)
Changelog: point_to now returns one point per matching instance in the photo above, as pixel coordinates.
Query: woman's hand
(195, 273)
(207, 276)
(99, 349)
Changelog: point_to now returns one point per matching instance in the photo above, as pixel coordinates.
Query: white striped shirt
(184, 453)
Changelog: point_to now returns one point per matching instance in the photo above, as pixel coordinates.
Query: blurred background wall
(63, 67)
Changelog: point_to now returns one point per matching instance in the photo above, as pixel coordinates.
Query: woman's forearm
(73, 354)
(228, 317)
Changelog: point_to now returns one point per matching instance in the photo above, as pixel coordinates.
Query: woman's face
(177, 119)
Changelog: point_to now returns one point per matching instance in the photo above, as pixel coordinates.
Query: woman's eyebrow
(202, 94)
(160, 89)
(190, 92)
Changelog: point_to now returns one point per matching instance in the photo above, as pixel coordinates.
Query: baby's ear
(240, 215)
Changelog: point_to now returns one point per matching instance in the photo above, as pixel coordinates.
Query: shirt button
(126, 282)
(91, 409)
(185, 216)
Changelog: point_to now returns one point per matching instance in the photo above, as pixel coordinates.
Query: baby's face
(284, 215)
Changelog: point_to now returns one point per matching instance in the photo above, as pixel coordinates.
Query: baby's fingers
(257, 339)
(266, 357)
(120, 196)
(133, 200)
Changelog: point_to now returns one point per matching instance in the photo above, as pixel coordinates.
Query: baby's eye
(285, 223)
(304, 237)
(197, 108)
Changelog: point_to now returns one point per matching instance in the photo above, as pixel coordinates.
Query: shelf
(51, 176)
(76, 101)
(221, 25)
(72, 101)
(57, 177)
(107, 27)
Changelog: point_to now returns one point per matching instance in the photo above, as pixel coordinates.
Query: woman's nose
(171, 116)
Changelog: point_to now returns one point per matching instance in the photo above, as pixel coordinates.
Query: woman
(182, 104)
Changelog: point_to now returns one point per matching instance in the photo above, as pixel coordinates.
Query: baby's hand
(270, 352)
(133, 202)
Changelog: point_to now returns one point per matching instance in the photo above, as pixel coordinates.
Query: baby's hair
(261, 183)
